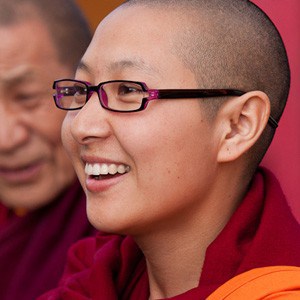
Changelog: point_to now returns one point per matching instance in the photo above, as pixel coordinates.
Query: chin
(27, 203)
(109, 224)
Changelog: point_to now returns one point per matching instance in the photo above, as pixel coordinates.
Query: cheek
(47, 124)
(173, 168)
(67, 139)
(71, 145)
(169, 150)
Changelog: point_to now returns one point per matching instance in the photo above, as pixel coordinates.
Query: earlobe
(243, 121)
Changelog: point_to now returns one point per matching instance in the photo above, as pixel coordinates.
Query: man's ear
(243, 120)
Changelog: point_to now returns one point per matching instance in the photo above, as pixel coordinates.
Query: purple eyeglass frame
(154, 94)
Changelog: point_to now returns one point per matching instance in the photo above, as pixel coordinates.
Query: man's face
(169, 147)
(33, 165)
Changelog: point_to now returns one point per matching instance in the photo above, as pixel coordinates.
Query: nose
(13, 132)
(92, 122)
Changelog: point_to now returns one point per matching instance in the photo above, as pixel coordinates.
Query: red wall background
(283, 157)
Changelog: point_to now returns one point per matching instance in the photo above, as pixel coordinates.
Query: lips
(102, 176)
(20, 174)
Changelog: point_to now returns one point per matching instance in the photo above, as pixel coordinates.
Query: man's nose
(13, 132)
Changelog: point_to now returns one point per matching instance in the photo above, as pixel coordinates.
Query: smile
(105, 169)
(21, 174)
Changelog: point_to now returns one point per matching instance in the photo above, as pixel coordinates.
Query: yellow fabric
(268, 283)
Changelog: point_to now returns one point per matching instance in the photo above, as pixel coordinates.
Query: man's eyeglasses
(127, 96)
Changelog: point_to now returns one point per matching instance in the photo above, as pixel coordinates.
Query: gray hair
(63, 18)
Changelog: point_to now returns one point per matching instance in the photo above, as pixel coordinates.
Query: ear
(243, 120)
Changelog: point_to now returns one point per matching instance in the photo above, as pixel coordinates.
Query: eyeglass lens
(117, 95)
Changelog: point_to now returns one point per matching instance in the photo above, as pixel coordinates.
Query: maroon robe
(33, 248)
(262, 232)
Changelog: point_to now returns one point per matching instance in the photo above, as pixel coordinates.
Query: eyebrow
(132, 64)
(121, 65)
(16, 76)
(84, 67)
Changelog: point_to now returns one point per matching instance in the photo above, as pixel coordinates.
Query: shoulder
(88, 260)
(280, 282)
(83, 254)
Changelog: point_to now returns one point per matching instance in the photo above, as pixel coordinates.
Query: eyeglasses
(127, 96)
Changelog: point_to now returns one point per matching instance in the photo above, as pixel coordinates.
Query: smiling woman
(193, 209)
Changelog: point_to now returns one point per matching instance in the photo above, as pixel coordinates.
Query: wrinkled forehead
(16, 75)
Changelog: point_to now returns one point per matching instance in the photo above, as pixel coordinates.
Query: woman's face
(167, 150)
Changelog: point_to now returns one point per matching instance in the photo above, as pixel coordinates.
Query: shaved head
(230, 44)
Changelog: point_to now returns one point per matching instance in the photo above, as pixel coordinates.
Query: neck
(168, 262)
(175, 252)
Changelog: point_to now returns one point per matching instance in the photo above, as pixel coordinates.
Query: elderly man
(43, 206)
(172, 108)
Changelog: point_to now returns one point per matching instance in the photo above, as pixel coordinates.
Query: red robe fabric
(262, 232)
(33, 248)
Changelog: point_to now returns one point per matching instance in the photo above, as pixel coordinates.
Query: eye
(129, 88)
(25, 96)
(28, 99)
(79, 90)
(67, 91)
(76, 90)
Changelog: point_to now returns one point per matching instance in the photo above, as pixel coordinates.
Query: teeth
(121, 169)
(112, 169)
(104, 169)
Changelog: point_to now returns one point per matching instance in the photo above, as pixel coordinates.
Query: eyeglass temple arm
(198, 93)
(194, 93)
(273, 122)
